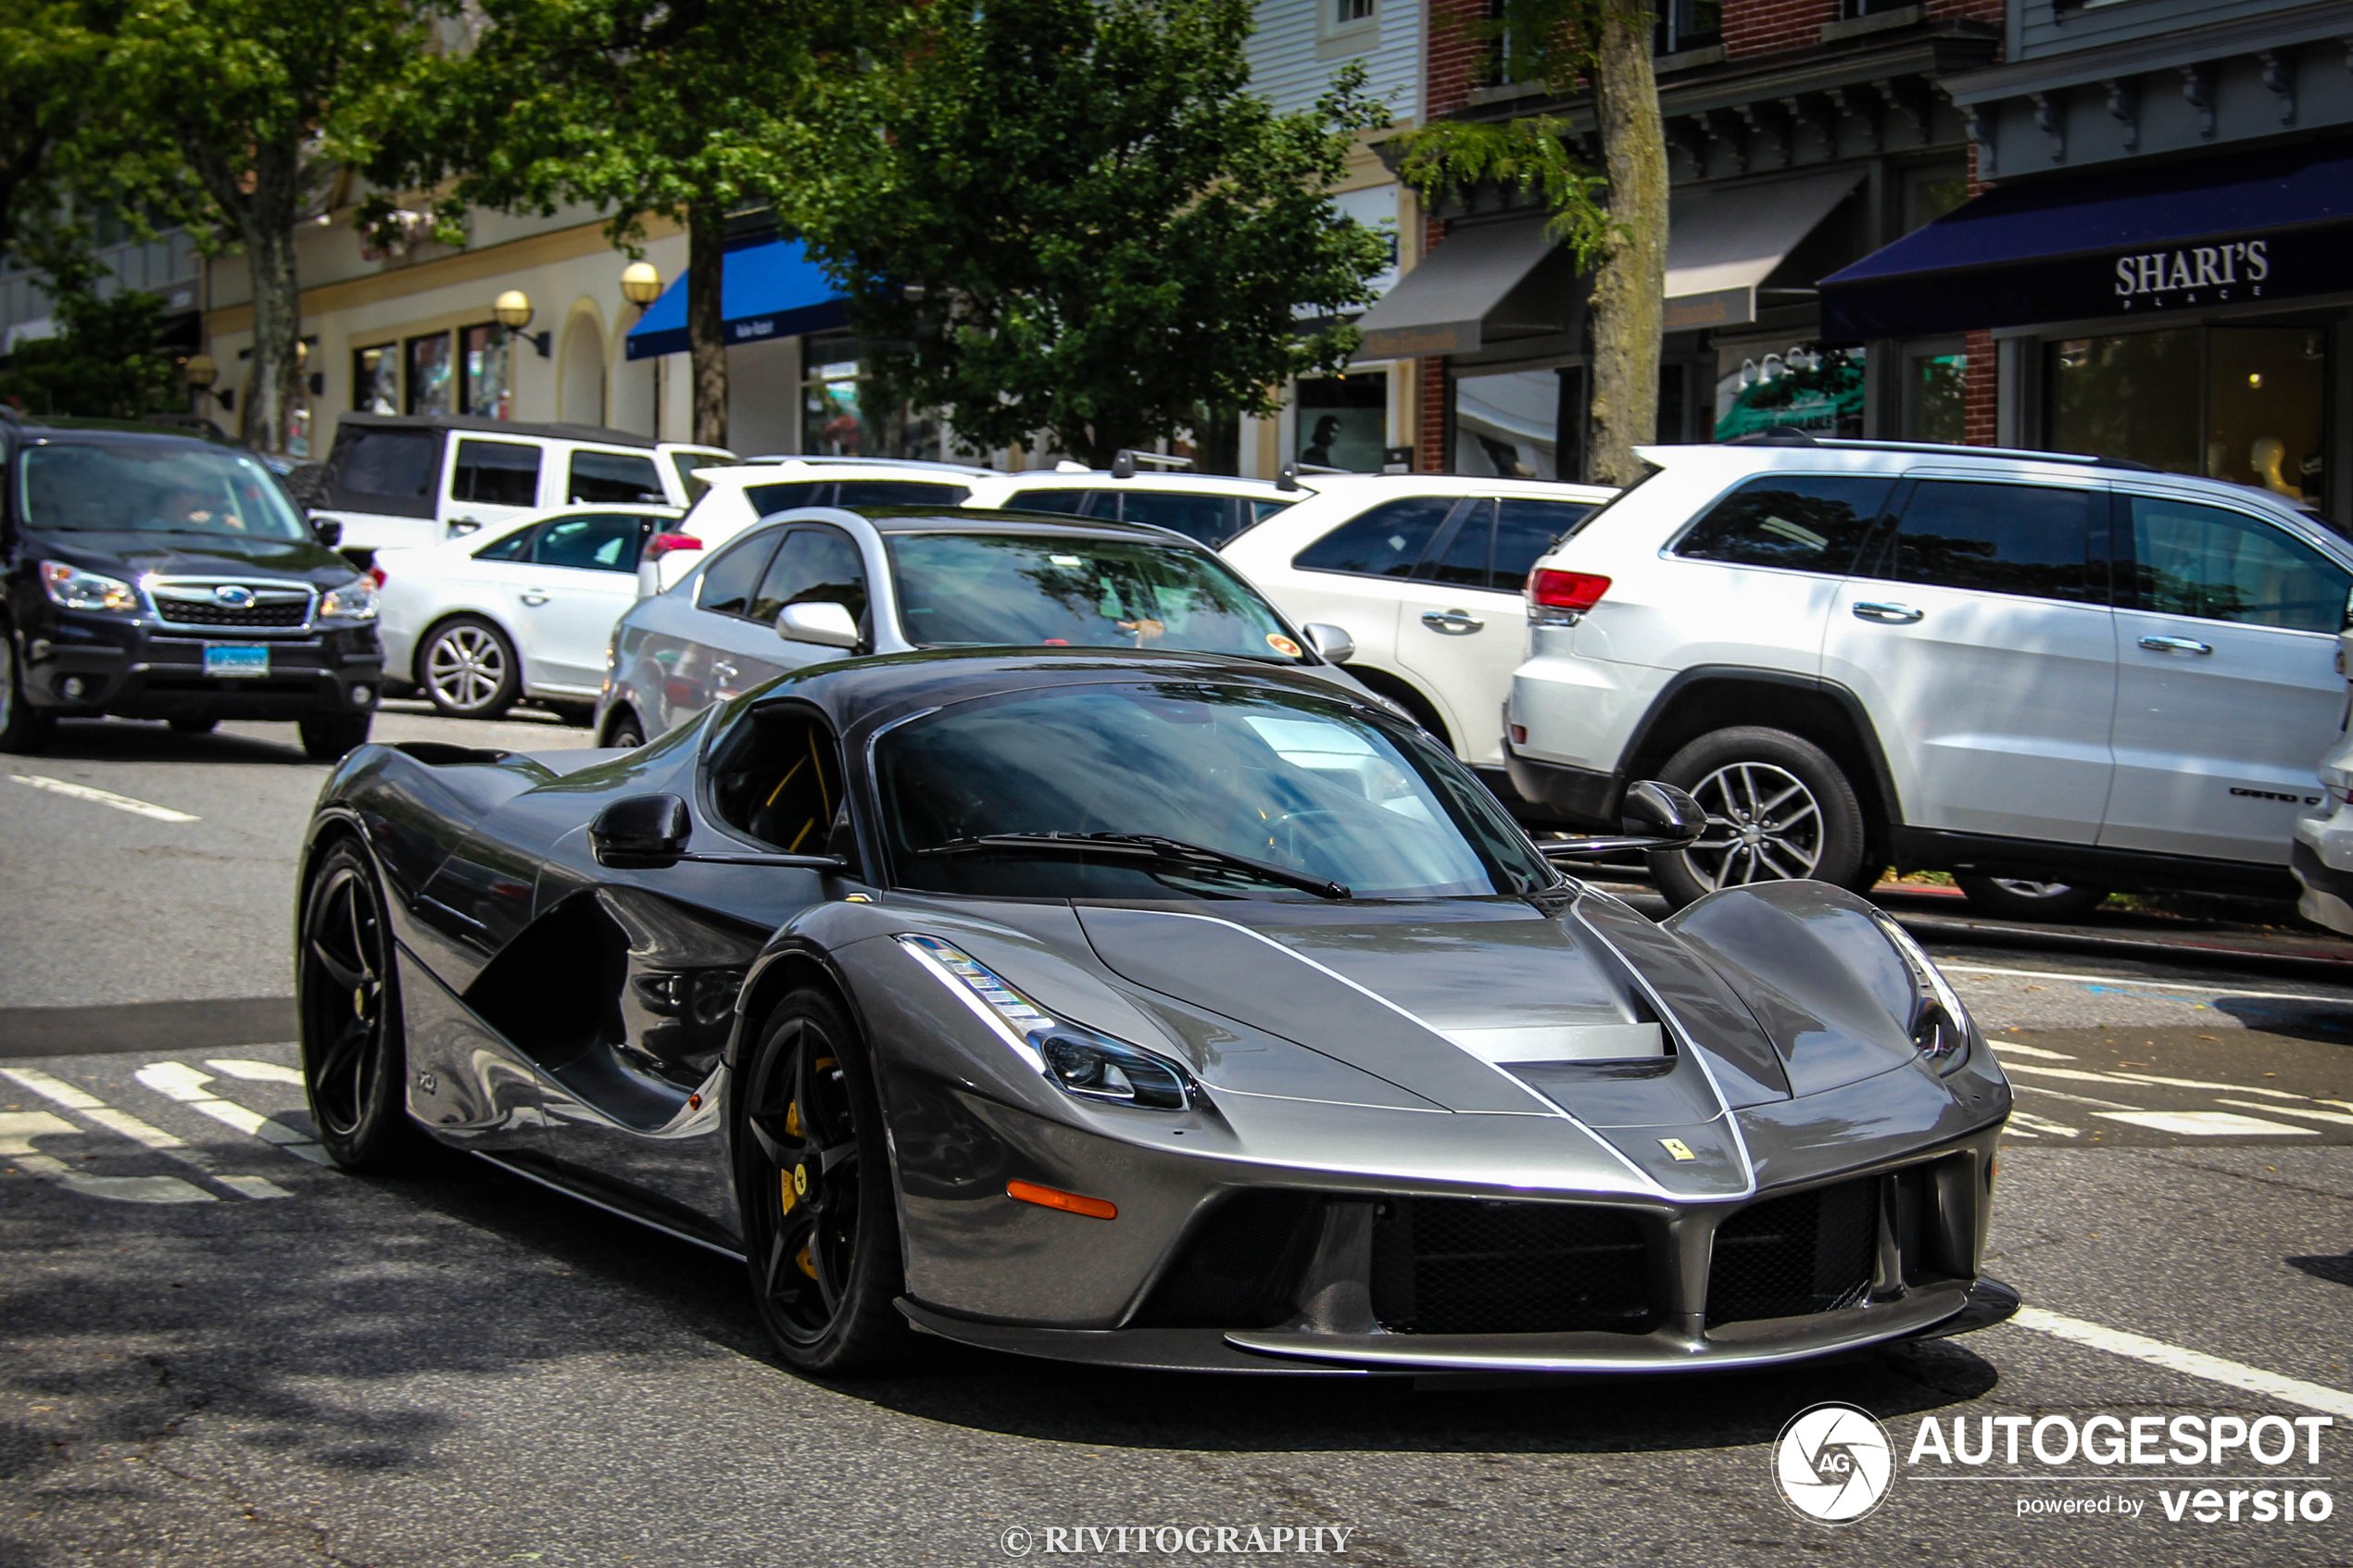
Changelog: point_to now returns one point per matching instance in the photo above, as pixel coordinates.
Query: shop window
(497, 473)
(1932, 190)
(1935, 401)
(1385, 542)
(375, 380)
(2243, 404)
(1803, 387)
(1803, 522)
(429, 391)
(2023, 539)
(604, 479)
(1687, 24)
(1508, 425)
(488, 389)
(1344, 421)
(839, 420)
(2221, 565)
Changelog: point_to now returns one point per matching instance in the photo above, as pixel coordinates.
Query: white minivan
(399, 481)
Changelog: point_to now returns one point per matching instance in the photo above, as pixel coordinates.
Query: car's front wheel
(347, 999)
(2013, 899)
(812, 1176)
(24, 729)
(469, 668)
(1777, 808)
(626, 732)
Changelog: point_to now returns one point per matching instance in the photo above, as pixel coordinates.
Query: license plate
(236, 662)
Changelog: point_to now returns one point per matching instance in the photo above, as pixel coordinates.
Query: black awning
(2126, 241)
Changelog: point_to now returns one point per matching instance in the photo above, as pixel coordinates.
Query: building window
(1346, 11)
(1344, 421)
(1935, 377)
(1802, 387)
(1687, 24)
(375, 380)
(428, 387)
(487, 388)
(1508, 424)
(2244, 404)
(838, 420)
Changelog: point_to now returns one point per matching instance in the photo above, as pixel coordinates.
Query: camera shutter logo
(1833, 1463)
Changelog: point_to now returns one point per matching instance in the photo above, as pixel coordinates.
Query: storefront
(2189, 314)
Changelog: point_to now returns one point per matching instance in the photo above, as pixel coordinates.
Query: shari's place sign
(2214, 274)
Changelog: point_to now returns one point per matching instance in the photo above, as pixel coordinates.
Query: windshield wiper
(1138, 847)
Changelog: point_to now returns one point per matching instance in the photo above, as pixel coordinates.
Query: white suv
(2050, 675)
(1423, 572)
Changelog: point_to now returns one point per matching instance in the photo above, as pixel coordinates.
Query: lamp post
(200, 372)
(641, 285)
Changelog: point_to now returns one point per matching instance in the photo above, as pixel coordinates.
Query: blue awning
(2126, 241)
(769, 290)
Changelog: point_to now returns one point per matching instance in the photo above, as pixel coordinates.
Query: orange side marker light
(1048, 1197)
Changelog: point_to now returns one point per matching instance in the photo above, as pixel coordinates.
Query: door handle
(534, 596)
(2176, 644)
(1902, 615)
(1452, 623)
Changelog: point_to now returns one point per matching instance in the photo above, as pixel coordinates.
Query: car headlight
(1940, 1022)
(1078, 1061)
(74, 588)
(356, 600)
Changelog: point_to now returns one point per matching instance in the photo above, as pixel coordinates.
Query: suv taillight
(662, 544)
(1566, 593)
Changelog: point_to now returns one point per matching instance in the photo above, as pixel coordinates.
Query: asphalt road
(215, 1350)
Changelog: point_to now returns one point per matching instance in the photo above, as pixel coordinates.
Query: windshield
(1288, 780)
(98, 487)
(984, 590)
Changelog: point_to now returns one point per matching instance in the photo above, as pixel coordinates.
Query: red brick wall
(1763, 27)
(1454, 57)
(1981, 397)
(1981, 10)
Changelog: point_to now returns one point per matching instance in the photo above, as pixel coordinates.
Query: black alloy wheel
(24, 729)
(813, 1179)
(348, 997)
(469, 669)
(2012, 898)
(1777, 808)
(626, 732)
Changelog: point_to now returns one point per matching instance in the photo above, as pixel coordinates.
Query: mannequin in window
(2269, 456)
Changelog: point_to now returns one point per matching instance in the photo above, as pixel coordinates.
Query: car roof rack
(822, 460)
(1788, 435)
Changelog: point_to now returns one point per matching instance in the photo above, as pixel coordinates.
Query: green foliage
(1073, 217)
(1454, 157)
(49, 51)
(102, 364)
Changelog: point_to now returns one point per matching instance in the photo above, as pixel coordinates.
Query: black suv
(150, 574)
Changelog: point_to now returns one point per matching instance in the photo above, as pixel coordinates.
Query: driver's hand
(1146, 629)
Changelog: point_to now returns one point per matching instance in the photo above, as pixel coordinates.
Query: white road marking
(2290, 1110)
(2011, 1048)
(2074, 1073)
(256, 1072)
(177, 1080)
(2041, 1124)
(2207, 1124)
(2074, 1100)
(18, 1128)
(2197, 1363)
(170, 1145)
(104, 797)
(2202, 1084)
(2136, 981)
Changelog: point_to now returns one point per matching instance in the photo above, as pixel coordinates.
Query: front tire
(2009, 898)
(24, 729)
(469, 668)
(355, 1068)
(813, 1177)
(334, 736)
(626, 732)
(1777, 808)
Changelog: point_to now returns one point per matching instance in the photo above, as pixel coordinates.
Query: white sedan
(522, 611)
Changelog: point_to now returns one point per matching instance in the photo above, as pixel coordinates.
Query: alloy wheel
(803, 1123)
(2032, 889)
(343, 999)
(1763, 825)
(466, 666)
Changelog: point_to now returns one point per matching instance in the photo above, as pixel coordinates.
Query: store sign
(2209, 274)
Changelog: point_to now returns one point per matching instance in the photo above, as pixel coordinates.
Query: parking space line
(2291, 1110)
(256, 1072)
(18, 1128)
(104, 797)
(2011, 1048)
(2074, 1100)
(122, 1124)
(2202, 1084)
(2197, 1363)
(2043, 1124)
(178, 1081)
(2135, 980)
(2207, 1124)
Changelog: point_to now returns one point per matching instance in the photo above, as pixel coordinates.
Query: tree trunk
(1629, 306)
(706, 319)
(267, 218)
(1217, 442)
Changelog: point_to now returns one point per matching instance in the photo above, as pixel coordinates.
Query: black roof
(598, 433)
(78, 432)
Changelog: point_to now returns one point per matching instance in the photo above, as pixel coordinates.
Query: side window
(1524, 533)
(1260, 510)
(816, 566)
(1805, 522)
(497, 473)
(898, 493)
(1462, 561)
(727, 583)
(605, 478)
(1994, 538)
(514, 546)
(1065, 501)
(779, 779)
(2221, 565)
(390, 464)
(599, 542)
(1205, 518)
(767, 500)
(1385, 542)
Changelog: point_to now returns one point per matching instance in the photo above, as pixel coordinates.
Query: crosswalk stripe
(2206, 1123)
(2291, 1110)
(122, 1124)
(177, 1080)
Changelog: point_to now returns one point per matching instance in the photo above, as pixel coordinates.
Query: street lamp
(641, 285)
(200, 371)
(512, 311)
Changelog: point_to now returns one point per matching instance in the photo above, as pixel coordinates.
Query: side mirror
(827, 625)
(641, 832)
(1332, 644)
(329, 530)
(1654, 816)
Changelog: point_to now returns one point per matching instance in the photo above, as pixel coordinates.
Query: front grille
(1788, 1257)
(1467, 1265)
(1242, 1268)
(207, 612)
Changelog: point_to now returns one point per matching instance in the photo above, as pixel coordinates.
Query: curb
(2197, 954)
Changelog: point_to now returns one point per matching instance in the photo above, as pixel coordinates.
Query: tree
(48, 53)
(1615, 220)
(1073, 217)
(686, 110)
(229, 115)
(103, 363)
